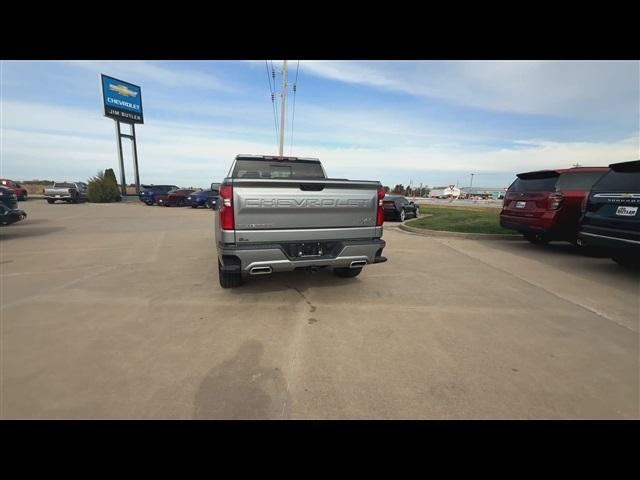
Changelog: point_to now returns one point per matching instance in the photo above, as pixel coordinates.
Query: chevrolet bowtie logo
(122, 90)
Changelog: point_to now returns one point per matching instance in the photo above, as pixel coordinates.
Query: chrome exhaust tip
(260, 270)
(358, 263)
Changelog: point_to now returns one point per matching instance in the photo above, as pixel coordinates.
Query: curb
(469, 236)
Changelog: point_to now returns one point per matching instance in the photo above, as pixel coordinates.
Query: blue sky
(433, 122)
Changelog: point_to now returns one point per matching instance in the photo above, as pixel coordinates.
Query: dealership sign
(122, 100)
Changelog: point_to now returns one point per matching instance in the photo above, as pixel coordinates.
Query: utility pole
(469, 194)
(284, 96)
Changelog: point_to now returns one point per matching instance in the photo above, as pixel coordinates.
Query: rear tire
(627, 261)
(194, 206)
(403, 215)
(536, 238)
(149, 203)
(228, 279)
(347, 272)
(50, 201)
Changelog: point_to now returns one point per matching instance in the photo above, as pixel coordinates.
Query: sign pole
(135, 157)
(123, 103)
(123, 184)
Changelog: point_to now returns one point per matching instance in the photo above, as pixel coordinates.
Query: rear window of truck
(277, 169)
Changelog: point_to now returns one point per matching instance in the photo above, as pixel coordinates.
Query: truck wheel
(628, 261)
(50, 201)
(228, 279)
(347, 272)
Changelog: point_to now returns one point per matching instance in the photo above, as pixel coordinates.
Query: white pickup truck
(72, 192)
(279, 214)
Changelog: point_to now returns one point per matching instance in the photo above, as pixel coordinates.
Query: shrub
(103, 188)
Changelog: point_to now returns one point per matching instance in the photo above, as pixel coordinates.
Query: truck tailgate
(289, 210)
(56, 191)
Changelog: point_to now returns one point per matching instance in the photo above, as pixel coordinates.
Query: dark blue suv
(611, 214)
(202, 198)
(148, 195)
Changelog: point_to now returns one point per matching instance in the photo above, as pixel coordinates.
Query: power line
(273, 103)
(293, 115)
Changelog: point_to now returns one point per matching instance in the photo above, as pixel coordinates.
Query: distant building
(483, 193)
(448, 192)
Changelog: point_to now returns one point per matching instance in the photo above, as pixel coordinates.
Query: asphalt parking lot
(114, 312)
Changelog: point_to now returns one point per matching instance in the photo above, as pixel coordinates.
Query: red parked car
(15, 187)
(546, 205)
(174, 198)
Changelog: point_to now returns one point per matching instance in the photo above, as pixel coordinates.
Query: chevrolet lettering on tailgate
(306, 202)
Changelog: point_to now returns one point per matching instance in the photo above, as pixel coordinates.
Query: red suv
(16, 188)
(174, 198)
(546, 205)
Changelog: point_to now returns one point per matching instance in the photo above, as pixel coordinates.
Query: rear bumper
(545, 224)
(245, 258)
(13, 216)
(58, 197)
(610, 239)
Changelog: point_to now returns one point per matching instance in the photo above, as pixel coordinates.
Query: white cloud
(559, 88)
(38, 144)
(139, 71)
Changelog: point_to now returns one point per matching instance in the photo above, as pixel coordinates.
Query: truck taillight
(226, 208)
(555, 201)
(380, 214)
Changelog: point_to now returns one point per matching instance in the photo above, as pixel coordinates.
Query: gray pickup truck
(73, 192)
(278, 214)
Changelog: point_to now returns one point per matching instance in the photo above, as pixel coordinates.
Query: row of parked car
(10, 193)
(173, 196)
(592, 207)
